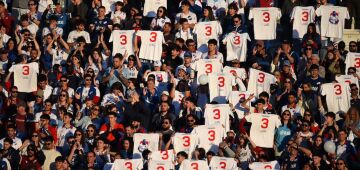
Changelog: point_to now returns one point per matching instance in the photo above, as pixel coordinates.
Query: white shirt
(122, 41)
(176, 102)
(59, 56)
(194, 165)
(207, 66)
(25, 76)
(151, 7)
(337, 96)
(218, 114)
(160, 165)
(117, 16)
(159, 22)
(236, 46)
(151, 45)
(47, 91)
(63, 133)
(260, 81)
(47, 31)
(265, 19)
(220, 86)
(219, 56)
(161, 77)
(144, 141)
(302, 17)
(135, 164)
(353, 60)
(130, 72)
(223, 163)
(273, 165)
(73, 35)
(234, 98)
(241, 73)
(33, 28)
(332, 20)
(191, 17)
(166, 155)
(204, 32)
(186, 35)
(184, 142)
(263, 128)
(69, 90)
(209, 136)
(349, 79)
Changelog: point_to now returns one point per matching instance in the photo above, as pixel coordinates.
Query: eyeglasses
(63, 95)
(305, 125)
(160, 11)
(286, 114)
(78, 134)
(191, 120)
(309, 49)
(87, 79)
(90, 130)
(354, 89)
(339, 163)
(287, 81)
(34, 135)
(47, 143)
(236, 21)
(14, 91)
(63, 80)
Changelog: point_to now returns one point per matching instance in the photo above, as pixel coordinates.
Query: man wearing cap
(187, 64)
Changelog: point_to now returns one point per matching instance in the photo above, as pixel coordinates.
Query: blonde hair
(348, 123)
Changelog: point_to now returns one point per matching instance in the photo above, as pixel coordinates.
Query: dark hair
(288, 125)
(233, 6)
(112, 113)
(212, 41)
(164, 11)
(211, 14)
(42, 77)
(183, 154)
(186, 3)
(237, 16)
(182, 20)
(8, 140)
(45, 116)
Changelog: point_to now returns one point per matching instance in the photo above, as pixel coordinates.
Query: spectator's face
(308, 51)
(129, 131)
(11, 132)
(167, 28)
(165, 124)
(90, 132)
(42, 84)
(88, 81)
(316, 160)
(260, 106)
(67, 119)
(286, 115)
(44, 122)
(32, 5)
(6, 145)
(90, 157)
(164, 107)
(318, 141)
(80, 27)
(291, 99)
(351, 71)
(100, 144)
(78, 136)
(306, 88)
(342, 136)
(2, 8)
(184, 8)
(150, 84)
(305, 127)
(340, 164)
(58, 9)
(314, 72)
(126, 144)
(21, 109)
(112, 118)
(206, 13)
(192, 47)
(180, 159)
(237, 21)
(59, 165)
(47, 106)
(101, 12)
(175, 52)
(352, 47)
(116, 62)
(232, 11)
(190, 120)
(212, 47)
(48, 145)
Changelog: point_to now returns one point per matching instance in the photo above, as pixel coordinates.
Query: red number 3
(208, 30)
(221, 81)
(261, 77)
(153, 36)
(337, 88)
(26, 70)
(266, 16)
(264, 123)
(208, 68)
(211, 134)
(357, 62)
(123, 40)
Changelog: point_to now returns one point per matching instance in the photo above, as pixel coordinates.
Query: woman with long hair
(284, 132)
(63, 101)
(208, 15)
(159, 21)
(311, 37)
(314, 127)
(352, 123)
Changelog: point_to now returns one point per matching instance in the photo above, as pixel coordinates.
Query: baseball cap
(181, 67)
(157, 63)
(187, 54)
(287, 63)
(165, 93)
